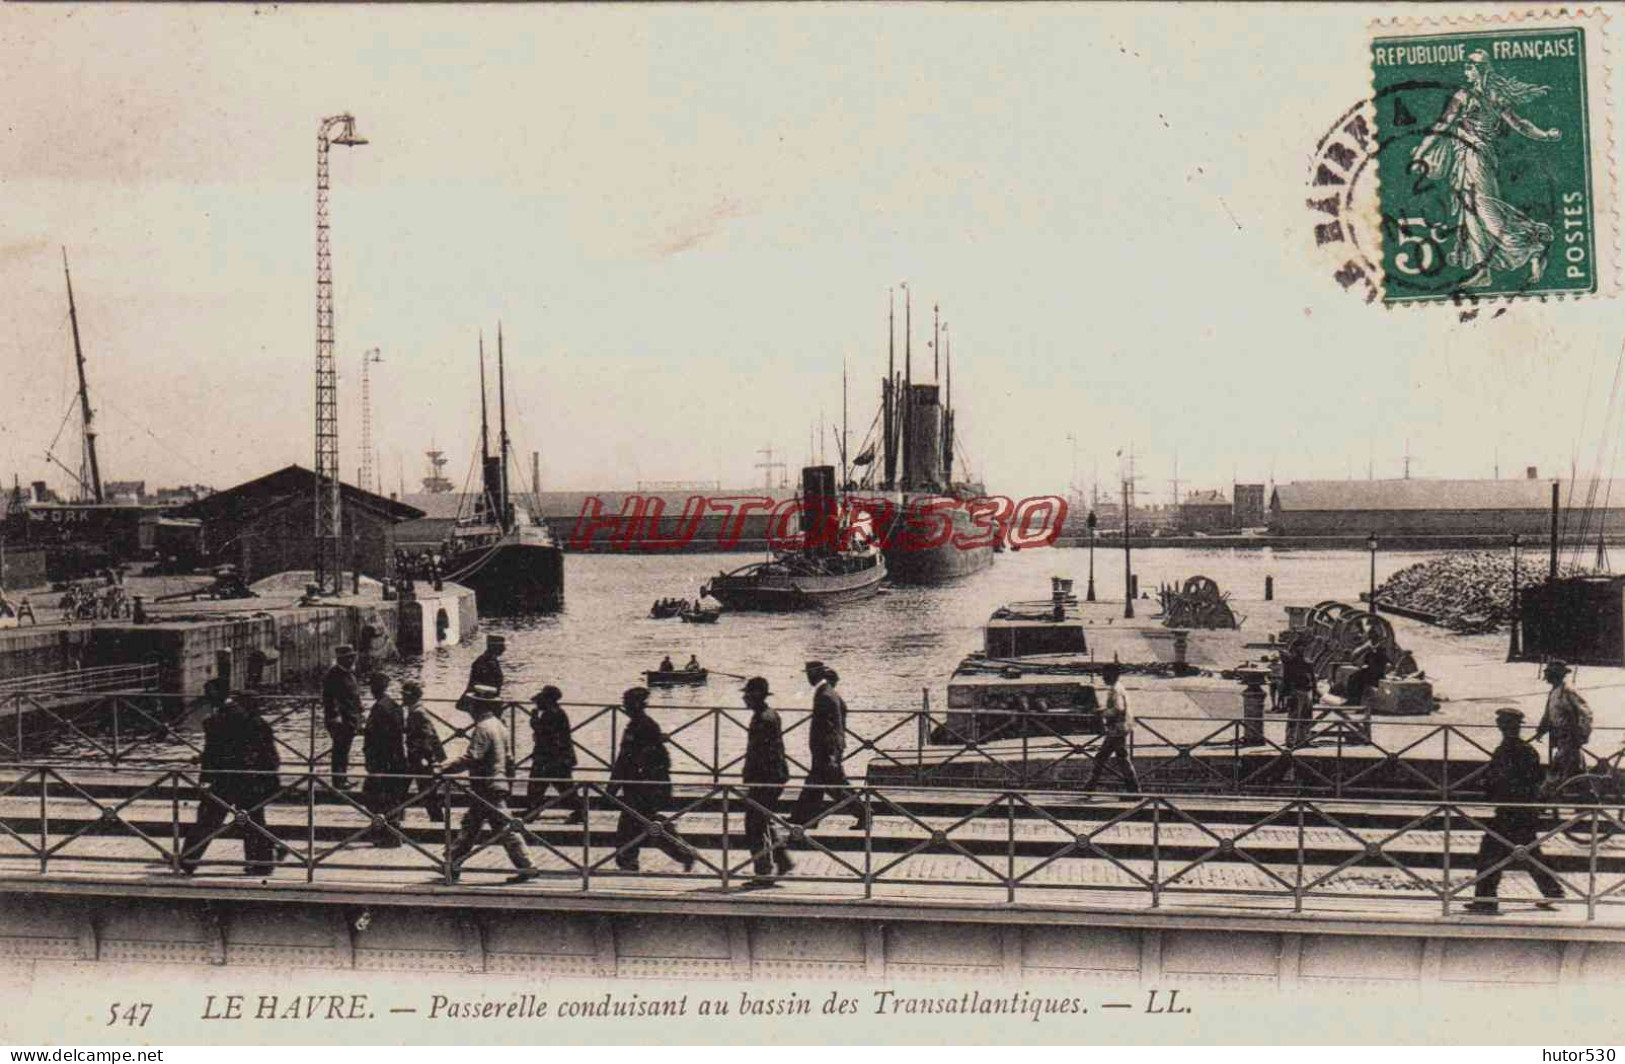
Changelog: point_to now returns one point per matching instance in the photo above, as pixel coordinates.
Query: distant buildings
(1438, 507)
(1207, 512)
(1250, 507)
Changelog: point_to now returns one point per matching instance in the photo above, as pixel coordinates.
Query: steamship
(917, 449)
(503, 552)
(840, 566)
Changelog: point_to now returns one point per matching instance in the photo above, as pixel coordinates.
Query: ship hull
(938, 564)
(782, 593)
(511, 578)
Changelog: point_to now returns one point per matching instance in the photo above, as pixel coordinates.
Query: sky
(689, 219)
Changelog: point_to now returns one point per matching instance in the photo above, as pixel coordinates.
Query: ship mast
(485, 436)
(502, 407)
(948, 412)
(84, 395)
(908, 379)
(888, 389)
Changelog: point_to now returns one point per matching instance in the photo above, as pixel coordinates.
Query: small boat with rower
(676, 677)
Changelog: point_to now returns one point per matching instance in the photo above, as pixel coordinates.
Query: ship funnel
(819, 509)
(924, 452)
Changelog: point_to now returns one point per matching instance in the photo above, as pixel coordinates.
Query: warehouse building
(267, 526)
(1250, 506)
(1206, 511)
(1439, 507)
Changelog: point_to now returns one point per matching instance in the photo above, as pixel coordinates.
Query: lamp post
(1371, 545)
(1515, 647)
(1091, 523)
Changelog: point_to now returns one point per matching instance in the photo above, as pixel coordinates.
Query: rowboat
(676, 677)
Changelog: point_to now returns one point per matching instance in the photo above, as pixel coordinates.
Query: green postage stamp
(1492, 161)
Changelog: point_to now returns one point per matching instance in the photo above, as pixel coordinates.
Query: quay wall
(49, 924)
(431, 619)
(185, 649)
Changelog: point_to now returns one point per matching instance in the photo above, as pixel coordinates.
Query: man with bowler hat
(552, 753)
(767, 770)
(341, 711)
(1513, 775)
(826, 746)
(486, 762)
(383, 745)
(240, 763)
(641, 776)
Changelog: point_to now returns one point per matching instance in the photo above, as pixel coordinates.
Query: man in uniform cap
(487, 668)
(552, 753)
(341, 711)
(641, 776)
(488, 767)
(767, 770)
(424, 751)
(1568, 718)
(826, 744)
(1513, 775)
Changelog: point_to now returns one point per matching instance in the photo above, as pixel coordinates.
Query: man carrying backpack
(1568, 719)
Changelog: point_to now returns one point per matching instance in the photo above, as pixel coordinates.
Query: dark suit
(423, 752)
(767, 770)
(240, 763)
(642, 775)
(341, 712)
(1513, 775)
(383, 745)
(486, 671)
(826, 781)
(552, 754)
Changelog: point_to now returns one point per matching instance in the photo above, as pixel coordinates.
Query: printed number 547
(1426, 238)
(134, 1016)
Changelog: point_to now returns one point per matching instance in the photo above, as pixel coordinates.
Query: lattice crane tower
(369, 475)
(338, 129)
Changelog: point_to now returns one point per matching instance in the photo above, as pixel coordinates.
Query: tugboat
(918, 436)
(505, 553)
(820, 573)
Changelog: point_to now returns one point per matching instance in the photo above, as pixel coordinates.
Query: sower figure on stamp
(424, 751)
(341, 711)
(240, 763)
(1513, 775)
(1115, 719)
(1568, 719)
(641, 777)
(767, 770)
(486, 762)
(826, 781)
(383, 745)
(552, 753)
(1459, 150)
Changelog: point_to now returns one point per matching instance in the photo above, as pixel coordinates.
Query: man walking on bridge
(341, 711)
(240, 763)
(383, 745)
(1116, 723)
(486, 762)
(826, 744)
(766, 772)
(1513, 775)
(641, 776)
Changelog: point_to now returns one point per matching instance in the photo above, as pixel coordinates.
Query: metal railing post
(175, 820)
(1156, 852)
(115, 732)
(868, 844)
(1591, 884)
(726, 861)
(584, 792)
(310, 822)
(445, 829)
(1449, 823)
(716, 747)
(44, 823)
(1297, 887)
(1010, 849)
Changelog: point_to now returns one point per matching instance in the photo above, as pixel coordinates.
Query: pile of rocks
(1469, 592)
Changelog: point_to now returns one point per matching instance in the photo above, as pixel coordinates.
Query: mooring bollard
(1182, 642)
(1269, 589)
(1252, 705)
